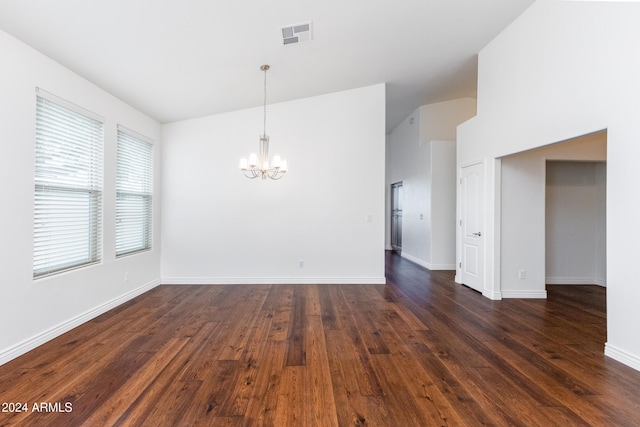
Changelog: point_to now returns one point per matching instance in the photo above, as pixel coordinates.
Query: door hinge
(460, 264)
(460, 222)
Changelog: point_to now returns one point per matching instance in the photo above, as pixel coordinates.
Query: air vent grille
(296, 33)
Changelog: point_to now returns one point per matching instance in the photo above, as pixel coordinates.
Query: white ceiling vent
(296, 33)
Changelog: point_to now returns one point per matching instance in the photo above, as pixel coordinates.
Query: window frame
(69, 156)
(140, 149)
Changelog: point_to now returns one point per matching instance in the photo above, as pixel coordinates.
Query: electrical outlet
(126, 276)
(522, 274)
(301, 264)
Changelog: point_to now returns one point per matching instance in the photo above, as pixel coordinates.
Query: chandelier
(258, 165)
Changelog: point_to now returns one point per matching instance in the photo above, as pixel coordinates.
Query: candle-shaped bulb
(253, 160)
(276, 162)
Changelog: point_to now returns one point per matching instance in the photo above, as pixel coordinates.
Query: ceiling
(182, 59)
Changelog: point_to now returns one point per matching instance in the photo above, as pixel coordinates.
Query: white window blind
(134, 189)
(68, 186)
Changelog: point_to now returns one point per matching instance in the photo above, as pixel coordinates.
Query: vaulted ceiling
(176, 60)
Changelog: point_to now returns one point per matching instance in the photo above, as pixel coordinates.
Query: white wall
(422, 155)
(523, 192)
(443, 205)
(560, 70)
(220, 227)
(601, 228)
(439, 121)
(575, 223)
(33, 311)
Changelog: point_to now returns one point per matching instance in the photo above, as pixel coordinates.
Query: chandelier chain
(264, 124)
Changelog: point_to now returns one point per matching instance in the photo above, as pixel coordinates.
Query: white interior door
(472, 209)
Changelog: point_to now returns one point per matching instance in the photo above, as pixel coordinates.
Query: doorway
(396, 216)
(575, 223)
(540, 247)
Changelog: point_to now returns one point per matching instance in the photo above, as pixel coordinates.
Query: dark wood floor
(420, 351)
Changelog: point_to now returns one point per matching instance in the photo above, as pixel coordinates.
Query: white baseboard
(576, 281)
(622, 356)
(600, 282)
(442, 267)
(516, 293)
(274, 280)
(496, 296)
(415, 260)
(51, 333)
(427, 265)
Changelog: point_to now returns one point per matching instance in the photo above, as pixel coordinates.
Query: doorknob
(479, 233)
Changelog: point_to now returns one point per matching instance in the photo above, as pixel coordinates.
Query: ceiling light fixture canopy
(258, 166)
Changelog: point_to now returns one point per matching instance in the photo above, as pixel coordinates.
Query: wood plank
(261, 407)
(239, 332)
(356, 362)
(296, 349)
(294, 398)
(251, 363)
(352, 407)
(404, 407)
(326, 294)
(350, 344)
(212, 398)
(278, 305)
(312, 307)
(323, 410)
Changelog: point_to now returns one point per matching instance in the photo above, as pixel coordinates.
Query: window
(68, 186)
(134, 188)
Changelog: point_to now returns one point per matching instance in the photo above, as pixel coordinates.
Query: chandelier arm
(254, 173)
(275, 174)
